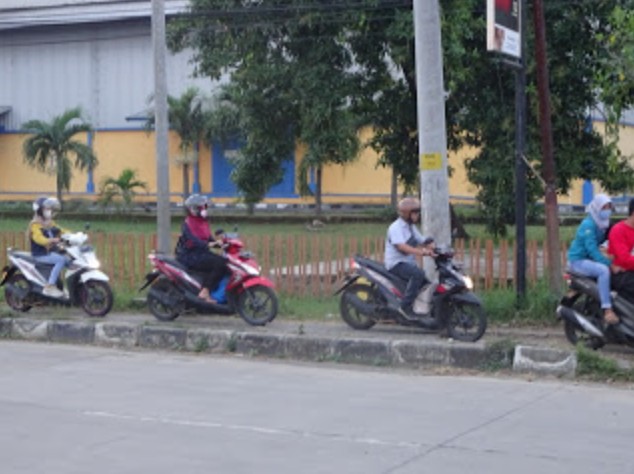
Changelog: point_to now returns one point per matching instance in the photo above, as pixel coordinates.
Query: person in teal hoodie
(585, 256)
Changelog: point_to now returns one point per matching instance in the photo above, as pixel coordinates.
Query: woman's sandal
(204, 295)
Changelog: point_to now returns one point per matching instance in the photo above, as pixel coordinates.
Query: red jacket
(621, 244)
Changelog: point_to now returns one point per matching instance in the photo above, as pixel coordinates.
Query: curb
(406, 353)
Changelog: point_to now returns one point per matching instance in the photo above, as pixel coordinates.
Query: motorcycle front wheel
(465, 321)
(350, 313)
(257, 305)
(161, 302)
(17, 283)
(96, 298)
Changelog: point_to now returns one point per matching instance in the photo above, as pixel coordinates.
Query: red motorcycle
(174, 289)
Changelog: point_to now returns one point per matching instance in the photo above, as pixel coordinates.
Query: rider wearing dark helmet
(403, 244)
(44, 235)
(193, 248)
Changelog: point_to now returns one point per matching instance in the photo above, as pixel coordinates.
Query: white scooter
(86, 286)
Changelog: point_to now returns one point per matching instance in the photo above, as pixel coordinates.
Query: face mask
(47, 213)
(203, 213)
(605, 214)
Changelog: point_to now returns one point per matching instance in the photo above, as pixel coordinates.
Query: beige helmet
(406, 206)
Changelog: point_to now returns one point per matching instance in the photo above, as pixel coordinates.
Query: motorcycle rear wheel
(96, 298)
(465, 321)
(349, 313)
(257, 305)
(19, 281)
(160, 292)
(591, 309)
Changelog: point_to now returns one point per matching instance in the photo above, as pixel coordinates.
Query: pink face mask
(203, 213)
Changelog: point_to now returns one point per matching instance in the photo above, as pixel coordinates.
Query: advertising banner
(503, 27)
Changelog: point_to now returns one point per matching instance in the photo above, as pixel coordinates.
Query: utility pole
(549, 173)
(520, 165)
(161, 126)
(432, 136)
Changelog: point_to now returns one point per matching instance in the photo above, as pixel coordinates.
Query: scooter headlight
(468, 282)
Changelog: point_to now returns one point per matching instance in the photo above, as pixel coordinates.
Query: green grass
(591, 365)
(256, 228)
(538, 308)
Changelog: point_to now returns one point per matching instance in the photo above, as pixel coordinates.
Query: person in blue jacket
(585, 255)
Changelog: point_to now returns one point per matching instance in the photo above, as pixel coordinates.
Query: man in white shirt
(403, 244)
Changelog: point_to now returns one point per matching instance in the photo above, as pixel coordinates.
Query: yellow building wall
(358, 182)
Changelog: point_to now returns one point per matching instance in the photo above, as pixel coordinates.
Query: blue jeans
(597, 270)
(58, 260)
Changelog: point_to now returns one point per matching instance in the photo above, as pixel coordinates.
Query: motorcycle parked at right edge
(580, 310)
(371, 294)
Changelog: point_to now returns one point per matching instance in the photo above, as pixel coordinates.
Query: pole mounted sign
(504, 27)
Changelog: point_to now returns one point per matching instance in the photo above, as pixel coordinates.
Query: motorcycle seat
(581, 275)
(26, 256)
(380, 268)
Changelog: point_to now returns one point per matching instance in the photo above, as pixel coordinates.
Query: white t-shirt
(401, 232)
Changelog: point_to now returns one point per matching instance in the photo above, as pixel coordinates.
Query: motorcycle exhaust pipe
(574, 317)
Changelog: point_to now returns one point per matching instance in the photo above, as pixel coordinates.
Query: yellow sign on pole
(430, 161)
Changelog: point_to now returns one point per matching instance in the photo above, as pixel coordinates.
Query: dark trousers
(212, 266)
(623, 283)
(416, 279)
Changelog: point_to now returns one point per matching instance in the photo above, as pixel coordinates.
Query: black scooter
(580, 310)
(370, 294)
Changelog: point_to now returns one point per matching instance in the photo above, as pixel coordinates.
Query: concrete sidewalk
(540, 351)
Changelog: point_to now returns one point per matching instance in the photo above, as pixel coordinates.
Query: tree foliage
(121, 190)
(290, 82)
(51, 146)
(312, 70)
(186, 116)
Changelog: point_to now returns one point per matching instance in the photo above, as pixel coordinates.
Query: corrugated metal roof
(15, 14)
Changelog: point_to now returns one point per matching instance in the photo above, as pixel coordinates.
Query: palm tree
(124, 188)
(187, 119)
(50, 147)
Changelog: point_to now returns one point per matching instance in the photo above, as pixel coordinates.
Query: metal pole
(432, 135)
(161, 126)
(520, 166)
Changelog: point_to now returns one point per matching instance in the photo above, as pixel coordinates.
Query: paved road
(81, 409)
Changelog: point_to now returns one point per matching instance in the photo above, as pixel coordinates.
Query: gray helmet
(195, 204)
(45, 202)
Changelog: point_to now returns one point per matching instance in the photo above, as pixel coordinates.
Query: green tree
(122, 189)
(50, 147)
(186, 116)
(290, 81)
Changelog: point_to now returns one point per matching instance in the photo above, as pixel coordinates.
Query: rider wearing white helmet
(44, 236)
(403, 244)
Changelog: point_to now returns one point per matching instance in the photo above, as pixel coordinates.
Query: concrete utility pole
(432, 136)
(161, 126)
